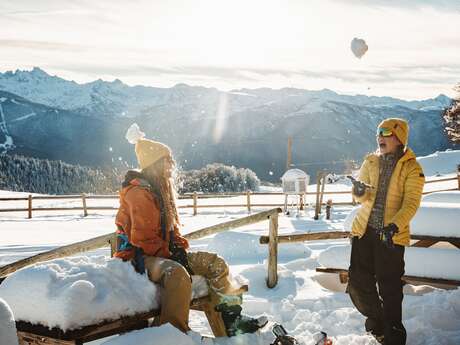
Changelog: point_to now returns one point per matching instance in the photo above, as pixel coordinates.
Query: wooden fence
(110, 239)
(194, 197)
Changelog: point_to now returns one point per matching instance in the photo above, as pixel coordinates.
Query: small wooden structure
(295, 182)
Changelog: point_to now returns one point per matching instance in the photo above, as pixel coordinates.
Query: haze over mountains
(49, 117)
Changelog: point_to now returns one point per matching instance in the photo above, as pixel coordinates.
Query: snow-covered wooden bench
(81, 299)
(407, 279)
(437, 220)
(35, 334)
(430, 266)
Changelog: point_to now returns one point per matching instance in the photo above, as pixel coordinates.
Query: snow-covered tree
(218, 178)
(452, 119)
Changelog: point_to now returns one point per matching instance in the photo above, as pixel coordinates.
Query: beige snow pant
(176, 287)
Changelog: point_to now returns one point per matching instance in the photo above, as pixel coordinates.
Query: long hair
(155, 174)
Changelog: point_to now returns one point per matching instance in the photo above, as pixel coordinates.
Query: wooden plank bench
(30, 334)
(427, 241)
(343, 276)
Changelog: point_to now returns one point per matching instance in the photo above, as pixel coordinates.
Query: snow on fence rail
(110, 240)
(192, 196)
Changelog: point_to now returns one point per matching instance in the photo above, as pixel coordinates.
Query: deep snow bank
(8, 334)
(78, 291)
(420, 262)
(451, 197)
(444, 162)
(234, 246)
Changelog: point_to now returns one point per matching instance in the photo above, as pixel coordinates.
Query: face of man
(387, 141)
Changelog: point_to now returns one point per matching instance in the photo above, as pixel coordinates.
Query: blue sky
(414, 46)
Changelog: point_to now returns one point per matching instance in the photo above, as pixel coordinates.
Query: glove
(386, 234)
(359, 188)
(179, 255)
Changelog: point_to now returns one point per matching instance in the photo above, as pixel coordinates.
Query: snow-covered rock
(8, 334)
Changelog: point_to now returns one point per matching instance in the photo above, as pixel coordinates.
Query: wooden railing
(110, 240)
(29, 208)
(195, 197)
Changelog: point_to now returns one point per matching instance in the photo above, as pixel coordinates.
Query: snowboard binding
(282, 337)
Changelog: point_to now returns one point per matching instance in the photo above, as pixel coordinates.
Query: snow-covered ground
(303, 301)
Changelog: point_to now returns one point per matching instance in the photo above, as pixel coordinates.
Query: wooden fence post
(195, 202)
(30, 206)
(113, 244)
(458, 175)
(248, 200)
(83, 200)
(322, 191)
(272, 278)
(318, 185)
(328, 209)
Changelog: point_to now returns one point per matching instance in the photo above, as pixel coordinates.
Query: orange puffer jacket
(140, 219)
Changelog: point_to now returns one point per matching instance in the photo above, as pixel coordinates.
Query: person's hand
(386, 234)
(359, 187)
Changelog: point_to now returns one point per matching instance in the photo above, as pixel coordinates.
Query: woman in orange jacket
(148, 235)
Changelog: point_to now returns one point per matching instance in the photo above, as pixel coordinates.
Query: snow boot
(375, 328)
(237, 323)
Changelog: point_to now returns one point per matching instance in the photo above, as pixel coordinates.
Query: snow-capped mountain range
(50, 117)
(119, 99)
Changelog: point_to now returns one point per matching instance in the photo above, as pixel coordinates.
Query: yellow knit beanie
(399, 127)
(147, 151)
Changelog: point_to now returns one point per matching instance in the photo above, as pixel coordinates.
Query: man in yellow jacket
(389, 189)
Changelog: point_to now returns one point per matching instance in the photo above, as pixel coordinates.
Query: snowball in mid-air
(358, 47)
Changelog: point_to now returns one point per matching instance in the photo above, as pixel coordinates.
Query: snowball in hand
(134, 133)
(358, 47)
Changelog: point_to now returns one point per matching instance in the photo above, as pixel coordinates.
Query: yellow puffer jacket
(403, 197)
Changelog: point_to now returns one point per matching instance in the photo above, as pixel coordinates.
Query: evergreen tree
(218, 178)
(26, 174)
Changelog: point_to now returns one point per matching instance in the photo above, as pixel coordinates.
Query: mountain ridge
(245, 128)
(101, 97)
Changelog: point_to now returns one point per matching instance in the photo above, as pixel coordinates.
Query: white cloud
(413, 46)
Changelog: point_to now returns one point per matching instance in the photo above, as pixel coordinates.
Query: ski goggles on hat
(384, 132)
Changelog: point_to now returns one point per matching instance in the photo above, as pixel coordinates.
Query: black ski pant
(372, 262)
